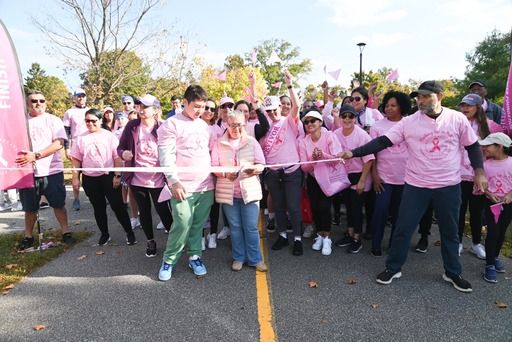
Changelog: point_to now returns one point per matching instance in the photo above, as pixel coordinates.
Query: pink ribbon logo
(436, 147)
(499, 187)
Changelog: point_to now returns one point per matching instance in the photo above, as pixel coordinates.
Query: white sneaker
(160, 226)
(461, 248)
(308, 231)
(265, 212)
(319, 241)
(224, 233)
(212, 240)
(478, 250)
(327, 246)
(135, 222)
(203, 244)
(17, 207)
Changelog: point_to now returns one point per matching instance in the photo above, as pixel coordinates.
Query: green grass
(27, 263)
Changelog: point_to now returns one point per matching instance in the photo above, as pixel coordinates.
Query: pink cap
(226, 100)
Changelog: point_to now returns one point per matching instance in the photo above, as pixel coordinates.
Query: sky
(422, 39)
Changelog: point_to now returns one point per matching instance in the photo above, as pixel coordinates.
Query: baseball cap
(271, 102)
(121, 115)
(106, 109)
(313, 114)
(427, 88)
(348, 109)
(79, 91)
(471, 99)
(496, 138)
(226, 100)
(150, 100)
(479, 82)
(319, 104)
(127, 98)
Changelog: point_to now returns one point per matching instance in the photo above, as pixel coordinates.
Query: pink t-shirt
(390, 161)
(74, 118)
(357, 138)
(44, 130)
(284, 148)
(96, 150)
(499, 176)
(146, 151)
(190, 140)
(329, 145)
(433, 146)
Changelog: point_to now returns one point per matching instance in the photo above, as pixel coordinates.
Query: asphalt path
(116, 296)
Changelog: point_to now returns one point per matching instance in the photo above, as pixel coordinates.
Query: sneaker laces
(197, 262)
(166, 266)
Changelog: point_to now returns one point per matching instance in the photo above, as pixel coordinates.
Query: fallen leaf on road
(39, 327)
(9, 287)
(100, 253)
(374, 306)
(437, 243)
(82, 257)
(351, 281)
(500, 305)
(324, 321)
(313, 284)
(5, 293)
(119, 252)
(10, 266)
(77, 223)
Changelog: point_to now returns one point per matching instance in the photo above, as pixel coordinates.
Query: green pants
(189, 216)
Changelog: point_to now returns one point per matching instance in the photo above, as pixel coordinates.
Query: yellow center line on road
(264, 295)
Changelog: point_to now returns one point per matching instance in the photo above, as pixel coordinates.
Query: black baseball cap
(479, 82)
(427, 88)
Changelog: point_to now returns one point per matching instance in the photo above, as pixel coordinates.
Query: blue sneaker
(499, 266)
(490, 274)
(197, 265)
(165, 271)
(76, 204)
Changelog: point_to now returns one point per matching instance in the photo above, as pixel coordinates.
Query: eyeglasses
(349, 115)
(355, 99)
(211, 109)
(137, 102)
(227, 105)
(38, 100)
(235, 126)
(307, 122)
(90, 121)
(125, 103)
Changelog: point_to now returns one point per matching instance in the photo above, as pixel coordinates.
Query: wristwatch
(117, 175)
(37, 155)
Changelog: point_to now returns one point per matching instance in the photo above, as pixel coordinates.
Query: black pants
(354, 203)
(320, 205)
(97, 188)
(144, 196)
(476, 207)
(495, 231)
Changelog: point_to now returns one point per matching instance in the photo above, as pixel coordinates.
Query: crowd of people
(388, 162)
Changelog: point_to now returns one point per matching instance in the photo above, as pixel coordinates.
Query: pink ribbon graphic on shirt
(436, 145)
(499, 187)
(496, 209)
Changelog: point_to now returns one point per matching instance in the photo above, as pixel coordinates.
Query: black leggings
(476, 206)
(495, 231)
(142, 196)
(320, 205)
(97, 188)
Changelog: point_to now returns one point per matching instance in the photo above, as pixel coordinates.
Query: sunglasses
(137, 102)
(37, 101)
(211, 109)
(235, 126)
(349, 115)
(355, 99)
(307, 122)
(125, 103)
(227, 105)
(90, 121)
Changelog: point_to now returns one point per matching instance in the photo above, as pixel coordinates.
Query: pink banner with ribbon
(13, 130)
(506, 117)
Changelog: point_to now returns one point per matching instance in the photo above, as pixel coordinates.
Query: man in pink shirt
(47, 136)
(183, 141)
(433, 136)
(74, 123)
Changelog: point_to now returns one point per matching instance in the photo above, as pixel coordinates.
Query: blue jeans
(245, 237)
(446, 203)
(386, 206)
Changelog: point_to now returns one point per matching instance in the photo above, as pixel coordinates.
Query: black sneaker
(130, 239)
(422, 245)
(376, 252)
(345, 241)
(297, 247)
(43, 205)
(271, 226)
(459, 283)
(386, 277)
(280, 243)
(26, 243)
(68, 238)
(355, 246)
(151, 250)
(104, 239)
(336, 220)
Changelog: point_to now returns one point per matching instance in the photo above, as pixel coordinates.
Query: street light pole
(361, 48)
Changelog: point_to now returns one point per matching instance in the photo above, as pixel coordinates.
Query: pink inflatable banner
(13, 127)
(506, 118)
